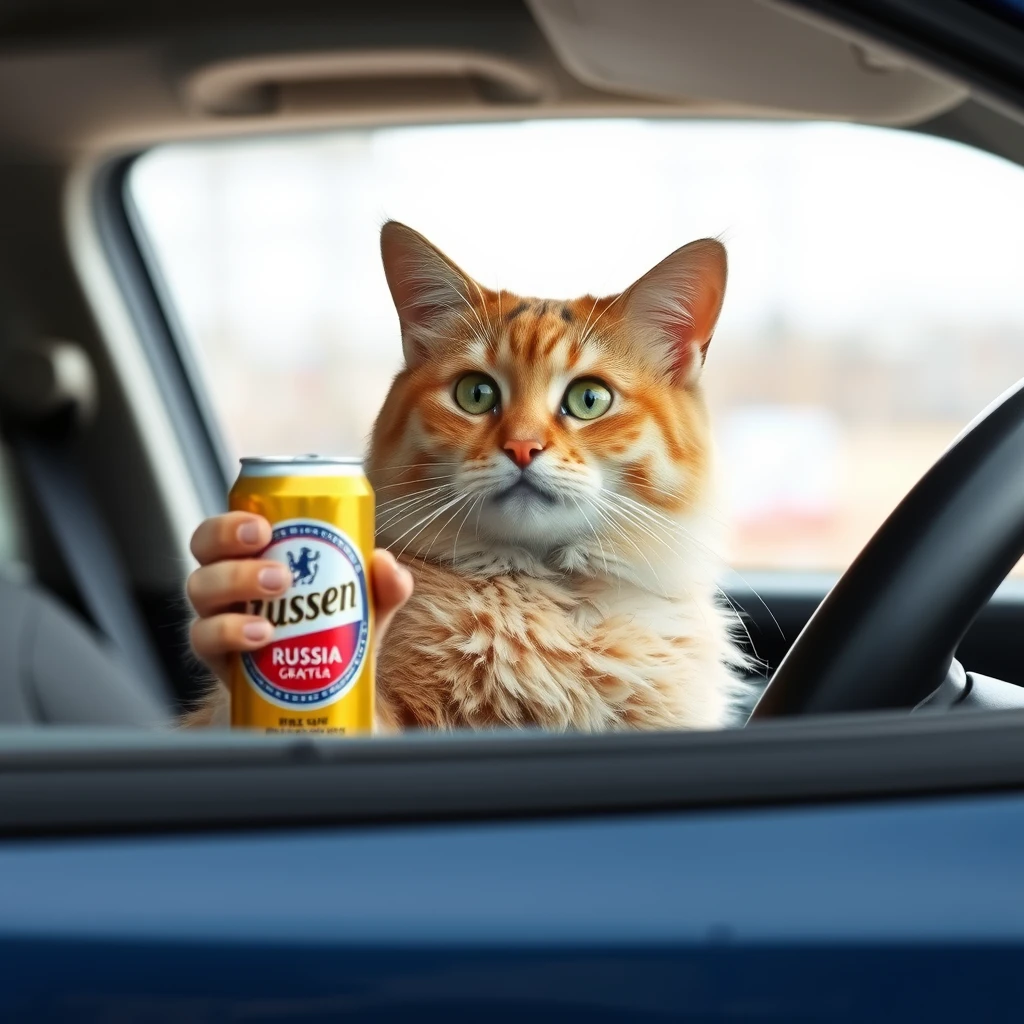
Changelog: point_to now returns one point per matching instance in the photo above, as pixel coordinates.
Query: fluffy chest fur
(565, 653)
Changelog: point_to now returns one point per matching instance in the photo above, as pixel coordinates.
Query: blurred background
(874, 306)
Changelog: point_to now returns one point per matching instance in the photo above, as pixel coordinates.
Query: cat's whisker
(479, 509)
(670, 524)
(658, 529)
(738, 614)
(424, 518)
(395, 521)
(593, 529)
(395, 517)
(760, 599)
(636, 547)
(620, 561)
(455, 547)
(640, 479)
(681, 553)
(423, 523)
(444, 525)
(433, 463)
(407, 483)
(637, 476)
(722, 518)
(640, 504)
(404, 499)
(627, 476)
(411, 508)
(646, 531)
(425, 549)
(649, 532)
(687, 535)
(659, 521)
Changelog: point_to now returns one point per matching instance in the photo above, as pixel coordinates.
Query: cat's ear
(427, 288)
(672, 310)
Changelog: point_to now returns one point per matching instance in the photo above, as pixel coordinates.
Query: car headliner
(79, 78)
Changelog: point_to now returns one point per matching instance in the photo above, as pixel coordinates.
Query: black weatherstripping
(161, 338)
(887, 632)
(118, 782)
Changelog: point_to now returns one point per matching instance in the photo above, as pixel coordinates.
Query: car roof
(102, 75)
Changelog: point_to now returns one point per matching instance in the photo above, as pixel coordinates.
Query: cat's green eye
(587, 399)
(476, 393)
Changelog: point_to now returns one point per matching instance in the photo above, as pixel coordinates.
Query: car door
(851, 869)
(854, 868)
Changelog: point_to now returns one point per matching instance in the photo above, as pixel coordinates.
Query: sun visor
(751, 53)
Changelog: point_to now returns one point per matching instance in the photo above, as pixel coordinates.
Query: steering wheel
(886, 634)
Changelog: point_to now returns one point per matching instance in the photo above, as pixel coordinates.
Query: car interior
(113, 449)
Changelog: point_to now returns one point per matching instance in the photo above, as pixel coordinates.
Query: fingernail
(257, 631)
(406, 572)
(274, 577)
(249, 533)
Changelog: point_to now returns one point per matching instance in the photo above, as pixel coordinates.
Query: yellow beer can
(316, 674)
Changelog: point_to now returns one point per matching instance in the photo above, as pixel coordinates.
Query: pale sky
(840, 228)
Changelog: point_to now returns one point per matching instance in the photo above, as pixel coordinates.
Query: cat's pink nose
(521, 452)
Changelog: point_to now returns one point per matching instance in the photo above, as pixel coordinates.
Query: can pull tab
(46, 381)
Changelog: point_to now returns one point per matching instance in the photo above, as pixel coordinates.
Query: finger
(232, 535)
(392, 587)
(216, 638)
(215, 588)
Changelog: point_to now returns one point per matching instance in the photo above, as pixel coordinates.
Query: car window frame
(158, 328)
(67, 783)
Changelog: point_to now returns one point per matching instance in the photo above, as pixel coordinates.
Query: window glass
(874, 302)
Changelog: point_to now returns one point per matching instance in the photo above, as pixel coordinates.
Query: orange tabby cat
(543, 469)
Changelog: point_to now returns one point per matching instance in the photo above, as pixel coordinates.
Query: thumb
(392, 587)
